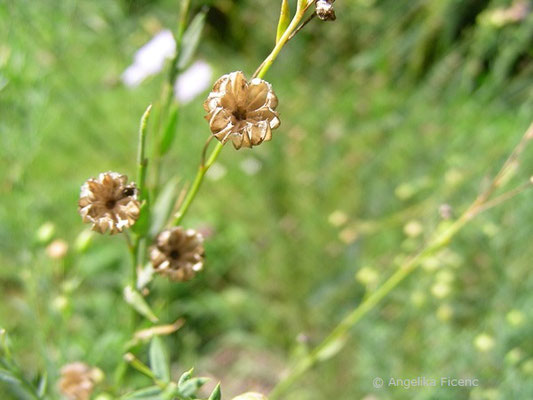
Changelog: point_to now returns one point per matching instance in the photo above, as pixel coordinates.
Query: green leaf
(135, 299)
(191, 39)
(148, 393)
(185, 377)
(4, 344)
(162, 207)
(284, 19)
(191, 386)
(9, 377)
(43, 384)
(171, 391)
(159, 362)
(302, 4)
(23, 389)
(170, 131)
(217, 394)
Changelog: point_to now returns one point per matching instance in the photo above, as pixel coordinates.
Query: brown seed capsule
(109, 203)
(241, 111)
(325, 11)
(178, 253)
(76, 382)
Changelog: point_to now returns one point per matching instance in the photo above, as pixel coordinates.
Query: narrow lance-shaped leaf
(142, 162)
(170, 131)
(284, 19)
(217, 394)
(171, 391)
(134, 299)
(43, 384)
(190, 387)
(303, 3)
(159, 362)
(19, 385)
(148, 393)
(9, 377)
(191, 39)
(185, 377)
(4, 345)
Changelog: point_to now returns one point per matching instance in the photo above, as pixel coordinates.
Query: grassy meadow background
(393, 110)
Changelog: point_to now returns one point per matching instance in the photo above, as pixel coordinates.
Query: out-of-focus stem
(335, 340)
(168, 89)
(338, 336)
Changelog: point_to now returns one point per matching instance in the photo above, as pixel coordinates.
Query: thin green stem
(259, 73)
(191, 194)
(142, 368)
(265, 65)
(184, 14)
(142, 166)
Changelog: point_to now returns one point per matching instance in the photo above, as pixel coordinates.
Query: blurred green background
(389, 113)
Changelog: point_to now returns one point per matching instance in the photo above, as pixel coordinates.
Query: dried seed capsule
(178, 253)
(109, 203)
(242, 111)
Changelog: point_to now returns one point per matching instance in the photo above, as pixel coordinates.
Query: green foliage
(170, 131)
(387, 114)
(284, 19)
(159, 360)
(191, 40)
(136, 300)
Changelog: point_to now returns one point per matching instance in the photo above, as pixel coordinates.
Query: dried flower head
(178, 253)
(325, 11)
(242, 111)
(77, 381)
(109, 202)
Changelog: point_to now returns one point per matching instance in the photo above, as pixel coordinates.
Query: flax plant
(240, 111)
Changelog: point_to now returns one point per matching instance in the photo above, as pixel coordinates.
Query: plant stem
(265, 65)
(168, 89)
(191, 194)
(259, 73)
(337, 338)
(142, 165)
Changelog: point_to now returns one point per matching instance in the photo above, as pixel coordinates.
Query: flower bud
(325, 11)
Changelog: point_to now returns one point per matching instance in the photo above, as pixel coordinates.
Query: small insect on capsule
(325, 11)
(128, 191)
